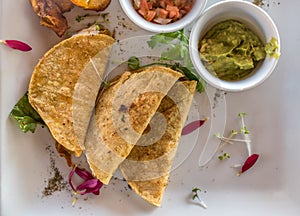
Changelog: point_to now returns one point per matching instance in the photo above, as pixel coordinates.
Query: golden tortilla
(65, 84)
(122, 113)
(148, 165)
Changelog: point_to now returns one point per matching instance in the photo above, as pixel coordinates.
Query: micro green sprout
(196, 196)
(242, 114)
(233, 132)
(244, 130)
(246, 133)
(224, 156)
(226, 140)
(251, 158)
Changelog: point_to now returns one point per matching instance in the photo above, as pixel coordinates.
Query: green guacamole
(272, 48)
(230, 50)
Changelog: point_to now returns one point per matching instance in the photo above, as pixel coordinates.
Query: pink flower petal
(97, 188)
(91, 183)
(192, 126)
(90, 190)
(15, 44)
(250, 161)
(83, 174)
(90, 187)
(97, 192)
(70, 179)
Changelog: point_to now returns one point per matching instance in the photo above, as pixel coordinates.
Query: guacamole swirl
(230, 50)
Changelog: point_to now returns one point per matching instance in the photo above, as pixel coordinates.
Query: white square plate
(271, 187)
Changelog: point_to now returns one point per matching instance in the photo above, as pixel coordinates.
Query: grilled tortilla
(122, 113)
(65, 84)
(148, 165)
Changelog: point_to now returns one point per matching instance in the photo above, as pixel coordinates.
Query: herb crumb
(56, 182)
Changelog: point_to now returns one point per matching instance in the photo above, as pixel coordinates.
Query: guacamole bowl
(258, 24)
(133, 14)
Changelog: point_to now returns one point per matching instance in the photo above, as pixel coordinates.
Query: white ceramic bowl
(129, 10)
(254, 18)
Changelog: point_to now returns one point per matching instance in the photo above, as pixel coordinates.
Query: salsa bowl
(135, 17)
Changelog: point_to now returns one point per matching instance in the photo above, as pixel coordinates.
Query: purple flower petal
(97, 188)
(15, 44)
(91, 183)
(96, 192)
(192, 126)
(83, 174)
(91, 188)
(70, 179)
(250, 161)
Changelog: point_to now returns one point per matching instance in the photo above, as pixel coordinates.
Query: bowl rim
(252, 81)
(131, 13)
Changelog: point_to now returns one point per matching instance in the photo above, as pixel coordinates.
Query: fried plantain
(51, 14)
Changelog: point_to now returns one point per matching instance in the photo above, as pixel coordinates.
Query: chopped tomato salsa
(163, 11)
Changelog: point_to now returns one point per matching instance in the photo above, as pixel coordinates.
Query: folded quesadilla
(65, 84)
(147, 167)
(122, 113)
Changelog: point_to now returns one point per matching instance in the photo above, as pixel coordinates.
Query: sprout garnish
(252, 158)
(196, 196)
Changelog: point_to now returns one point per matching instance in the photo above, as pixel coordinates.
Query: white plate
(269, 188)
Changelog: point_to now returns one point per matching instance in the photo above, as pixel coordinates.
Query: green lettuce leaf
(26, 116)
